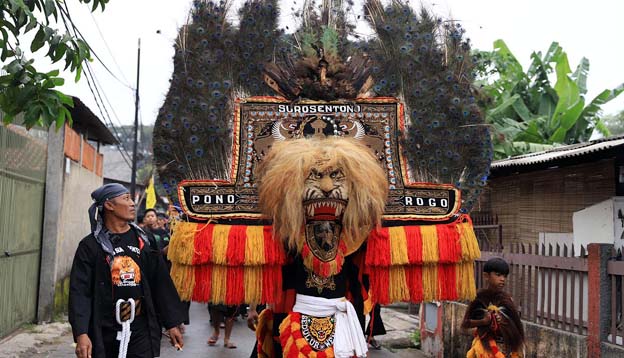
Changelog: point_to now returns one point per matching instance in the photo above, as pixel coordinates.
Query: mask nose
(326, 186)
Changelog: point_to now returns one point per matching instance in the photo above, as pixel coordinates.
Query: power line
(91, 86)
(120, 147)
(107, 47)
(112, 108)
(67, 17)
(96, 85)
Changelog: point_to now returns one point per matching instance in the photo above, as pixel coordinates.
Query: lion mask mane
(284, 171)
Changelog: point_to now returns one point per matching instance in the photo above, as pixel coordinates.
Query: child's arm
(469, 325)
(473, 323)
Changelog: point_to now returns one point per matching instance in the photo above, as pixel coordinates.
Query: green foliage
(614, 123)
(527, 112)
(23, 89)
(415, 336)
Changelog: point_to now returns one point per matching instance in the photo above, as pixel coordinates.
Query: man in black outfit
(151, 221)
(152, 226)
(116, 262)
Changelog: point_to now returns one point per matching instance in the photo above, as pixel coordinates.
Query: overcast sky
(590, 28)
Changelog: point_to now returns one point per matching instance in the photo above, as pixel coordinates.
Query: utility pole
(136, 126)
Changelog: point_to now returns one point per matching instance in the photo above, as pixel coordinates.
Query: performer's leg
(217, 317)
(229, 324)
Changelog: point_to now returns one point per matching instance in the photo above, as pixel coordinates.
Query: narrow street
(59, 345)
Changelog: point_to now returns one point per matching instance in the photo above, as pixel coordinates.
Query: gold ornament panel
(261, 121)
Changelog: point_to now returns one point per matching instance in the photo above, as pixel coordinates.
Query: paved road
(194, 343)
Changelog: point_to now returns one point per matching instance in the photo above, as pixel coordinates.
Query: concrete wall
(77, 187)
(611, 351)
(78, 183)
(66, 221)
(541, 341)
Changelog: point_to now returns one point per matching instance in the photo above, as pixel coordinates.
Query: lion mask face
(326, 184)
(330, 179)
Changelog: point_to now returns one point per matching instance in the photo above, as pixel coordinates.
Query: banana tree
(527, 112)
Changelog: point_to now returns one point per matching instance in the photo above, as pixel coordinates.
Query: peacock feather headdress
(415, 56)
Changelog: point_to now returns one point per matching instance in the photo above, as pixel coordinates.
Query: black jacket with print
(90, 292)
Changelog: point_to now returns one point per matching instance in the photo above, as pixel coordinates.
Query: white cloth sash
(349, 339)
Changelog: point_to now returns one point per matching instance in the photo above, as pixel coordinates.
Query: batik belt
(349, 340)
(125, 309)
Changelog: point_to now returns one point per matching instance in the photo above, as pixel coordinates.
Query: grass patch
(415, 337)
(29, 327)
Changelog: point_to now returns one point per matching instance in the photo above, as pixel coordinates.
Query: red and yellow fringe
(477, 350)
(293, 343)
(322, 268)
(230, 264)
(423, 263)
(264, 334)
(234, 264)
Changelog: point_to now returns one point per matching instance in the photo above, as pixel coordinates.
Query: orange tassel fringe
(230, 264)
(236, 264)
(423, 263)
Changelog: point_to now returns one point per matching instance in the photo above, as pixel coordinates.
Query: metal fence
(488, 230)
(549, 284)
(23, 158)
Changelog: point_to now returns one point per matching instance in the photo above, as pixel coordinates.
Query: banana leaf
(567, 120)
(580, 75)
(569, 98)
(513, 66)
(582, 131)
(533, 132)
(605, 96)
(602, 128)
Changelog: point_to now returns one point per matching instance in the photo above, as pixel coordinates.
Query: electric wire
(91, 74)
(67, 17)
(106, 117)
(120, 147)
(108, 48)
(112, 108)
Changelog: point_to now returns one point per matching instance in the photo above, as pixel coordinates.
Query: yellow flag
(150, 195)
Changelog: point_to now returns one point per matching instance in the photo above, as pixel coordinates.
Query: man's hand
(83, 346)
(175, 337)
(252, 318)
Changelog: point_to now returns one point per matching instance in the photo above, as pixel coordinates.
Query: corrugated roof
(115, 167)
(86, 122)
(568, 151)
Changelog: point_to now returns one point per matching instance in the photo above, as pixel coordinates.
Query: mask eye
(334, 174)
(315, 175)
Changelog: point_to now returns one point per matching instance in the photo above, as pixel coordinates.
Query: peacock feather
(421, 59)
(426, 61)
(214, 62)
